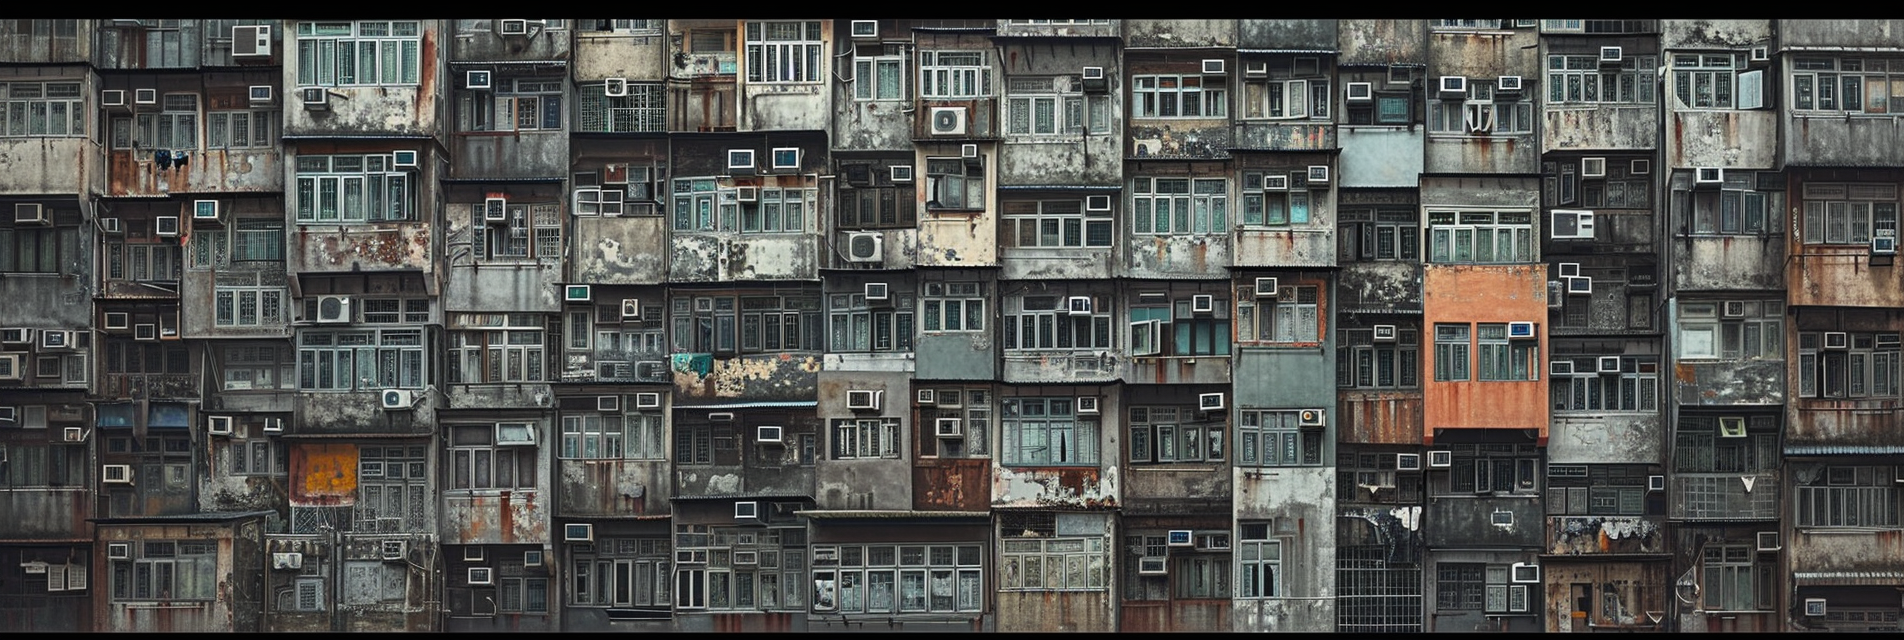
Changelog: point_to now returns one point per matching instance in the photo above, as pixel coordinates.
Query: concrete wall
(866, 483)
(1300, 503)
(1469, 294)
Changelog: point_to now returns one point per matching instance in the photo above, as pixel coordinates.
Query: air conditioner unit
(73, 434)
(968, 151)
(1266, 287)
(865, 29)
(476, 79)
(1572, 223)
(615, 87)
(720, 416)
(630, 308)
(1454, 85)
(1383, 333)
(145, 96)
(1153, 565)
(947, 121)
(1276, 182)
(16, 335)
(1407, 462)
(1593, 167)
(1814, 607)
(576, 293)
(1611, 55)
(315, 98)
(1732, 427)
(1318, 174)
(949, 428)
(1440, 459)
(877, 291)
(1309, 418)
(1520, 330)
(1213, 67)
(767, 434)
(333, 309)
(283, 561)
(112, 226)
(1094, 80)
(10, 369)
(56, 339)
(1883, 245)
(250, 40)
(746, 510)
(1580, 285)
(647, 400)
(1708, 175)
(1569, 269)
(1837, 340)
(512, 27)
(607, 403)
(1524, 573)
(30, 213)
(1607, 364)
(1210, 402)
(1202, 303)
(1079, 305)
(1655, 483)
(112, 98)
(116, 473)
(166, 226)
(1761, 54)
(1360, 91)
(1087, 405)
(926, 396)
(740, 159)
(746, 557)
(482, 575)
(902, 173)
(1560, 368)
(204, 209)
(403, 158)
(865, 246)
(274, 425)
(578, 532)
(532, 558)
(260, 93)
(119, 551)
(747, 194)
(218, 425)
(1507, 84)
(1097, 203)
(392, 549)
(1256, 70)
(863, 399)
(1768, 541)
(397, 399)
(784, 158)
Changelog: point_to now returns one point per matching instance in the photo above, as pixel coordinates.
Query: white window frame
(43, 109)
(643, 110)
(785, 52)
(1045, 325)
(857, 326)
(247, 305)
(1704, 334)
(879, 78)
(1173, 95)
(249, 454)
(1046, 432)
(1174, 434)
(1579, 79)
(1292, 317)
(1714, 80)
(353, 188)
(1363, 363)
(864, 438)
(1634, 389)
(1823, 84)
(954, 74)
(635, 435)
(242, 129)
(1054, 224)
(1296, 89)
(1849, 497)
(1480, 113)
(498, 348)
(528, 232)
(477, 462)
(1848, 213)
(334, 54)
(1454, 232)
(1026, 563)
(1259, 562)
(1861, 370)
(953, 307)
(1193, 206)
(1500, 359)
(322, 351)
(1276, 438)
(514, 104)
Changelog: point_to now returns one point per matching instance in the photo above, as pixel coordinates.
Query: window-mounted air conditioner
(1087, 405)
(204, 209)
(865, 246)
(1453, 86)
(482, 575)
(1520, 330)
(926, 396)
(397, 399)
(315, 98)
(1094, 80)
(1593, 167)
(968, 151)
(260, 93)
(218, 425)
(1213, 67)
(113, 226)
(1407, 462)
(1097, 203)
(949, 428)
(1256, 70)
(1732, 309)
(746, 557)
(784, 158)
(1360, 91)
(607, 403)
(73, 434)
(250, 40)
(947, 121)
(403, 159)
(1655, 483)
(746, 510)
(1276, 182)
(1768, 541)
(56, 339)
(532, 558)
(576, 293)
(333, 309)
(1202, 303)
(1318, 174)
(119, 551)
(473, 553)
(1210, 402)
(1837, 340)
(1079, 305)
(1814, 607)
(630, 308)
(16, 335)
(1607, 364)
(615, 87)
(476, 79)
(1383, 333)
(165, 226)
(1569, 269)
(392, 550)
(1708, 175)
(112, 98)
(1309, 418)
(720, 416)
(647, 400)
(767, 434)
(1153, 565)
(145, 96)
(1761, 54)
(1611, 55)
(512, 27)
(578, 532)
(902, 173)
(1440, 459)
(1732, 427)
(1507, 84)
(30, 213)
(863, 399)
(1180, 538)
(11, 369)
(1560, 368)
(1266, 287)
(1883, 245)
(877, 291)
(1580, 286)
(274, 425)
(1572, 223)
(116, 473)
(865, 29)
(740, 159)
(286, 561)
(1524, 572)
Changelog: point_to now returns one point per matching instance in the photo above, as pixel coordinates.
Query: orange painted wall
(323, 474)
(1474, 294)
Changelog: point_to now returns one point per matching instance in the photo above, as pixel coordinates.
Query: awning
(1849, 578)
(763, 404)
(1843, 449)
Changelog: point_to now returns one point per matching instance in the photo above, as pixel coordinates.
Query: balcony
(1724, 496)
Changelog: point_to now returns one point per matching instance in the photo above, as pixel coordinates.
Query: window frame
(35, 110)
(394, 48)
(1169, 95)
(384, 193)
(1022, 430)
(1174, 434)
(1276, 438)
(1446, 244)
(1287, 321)
(967, 75)
(1579, 79)
(775, 56)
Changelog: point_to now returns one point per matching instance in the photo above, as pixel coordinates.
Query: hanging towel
(163, 158)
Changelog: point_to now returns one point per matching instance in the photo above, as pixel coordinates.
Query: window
(861, 325)
(1841, 213)
(1380, 234)
(700, 205)
(1178, 96)
(527, 231)
(127, 356)
(1046, 322)
(1854, 85)
(490, 456)
(1459, 585)
(1466, 24)
(247, 299)
(1198, 574)
(1046, 431)
(353, 188)
(1732, 580)
(1363, 363)
(880, 77)
(143, 259)
(359, 53)
(1581, 79)
(954, 306)
(257, 456)
(1259, 561)
(644, 109)
(361, 360)
(372, 582)
(1716, 81)
(1276, 438)
(785, 52)
(517, 104)
(257, 366)
(1174, 434)
(1730, 210)
(1451, 352)
(391, 310)
(1054, 223)
(1287, 203)
(1289, 317)
(174, 127)
(868, 198)
(746, 324)
(1502, 359)
(1635, 387)
(167, 570)
(1390, 102)
(1732, 329)
(954, 75)
(497, 347)
(1847, 365)
(391, 489)
(43, 464)
(255, 129)
(1048, 563)
(621, 572)
(1730, 445)
(1481, 113)
(36, 249)
(1491, 468)
(742, 569)
(1045, 106)
(1625, 184)
(1162, 206)
(973, 408)
(43, 109)
(253, 239)
(865, 438)
(955, 184)
(1295, 88)
(595, 436)
(1176, 328)
(1597, 489)
(1846, 496)
(882, 579)
(694, 444)
(1480, 237)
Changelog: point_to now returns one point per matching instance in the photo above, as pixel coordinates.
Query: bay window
(1163, 206)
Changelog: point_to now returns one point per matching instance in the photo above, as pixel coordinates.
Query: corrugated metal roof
(1842, 449)
(1287, 51)
(738, 496)
(894, 514)
(750, 405)
(353, 436)
(1859, 578)
(206, 516)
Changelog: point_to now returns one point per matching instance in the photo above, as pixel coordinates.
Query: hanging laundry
(179, 158)
(163, 158)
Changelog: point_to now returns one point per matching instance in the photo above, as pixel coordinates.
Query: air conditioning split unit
(397, 399)
(947, 121)
(1309, 418)
(865, 247)
(333, 309)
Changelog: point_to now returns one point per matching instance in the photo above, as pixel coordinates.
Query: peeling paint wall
(957, 240)
(1177, 489)
(952, 484)
(1178, 256)
(1470, 294)
(31, 166)
(362, 412)
(526, 285)
(1729, 382)
(1300, 503)
(477, 39)
(360, 247)
(1179, 33)
(762, 377)
(608, 54)
(1731, 262)
(1708, 32)
(1068, 158)
(1080, 487)
(1842, 550)
(1621, 596)
(1720, 138)
(612, 487)
(1591, 535)
(1462, 522)
(498, 517)
(1380, 156)
(236, 567)
(1379, 286)
(1393, 417)
(1609, 438)
(1602, 126)
(1482, 55)
(865, 483)
(1381, 41)
(417, 110)
(786, 106)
